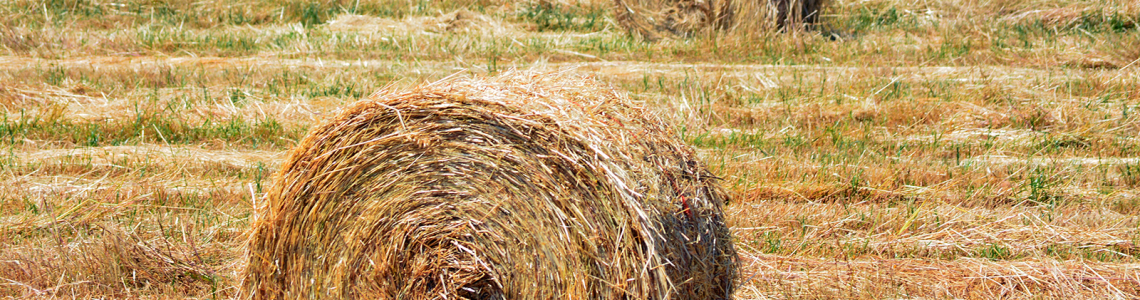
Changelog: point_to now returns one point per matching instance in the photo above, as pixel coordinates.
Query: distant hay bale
(655, 19)
(522, 186)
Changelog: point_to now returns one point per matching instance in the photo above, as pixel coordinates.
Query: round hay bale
(656, 19)
(522, 186)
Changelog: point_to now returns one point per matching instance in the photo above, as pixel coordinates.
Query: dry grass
(929, 149)
(459, 21)
(804, 278)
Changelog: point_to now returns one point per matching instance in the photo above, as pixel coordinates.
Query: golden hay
(655, 19)
(522, 186)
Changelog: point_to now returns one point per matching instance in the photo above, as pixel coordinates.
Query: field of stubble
(904, 149)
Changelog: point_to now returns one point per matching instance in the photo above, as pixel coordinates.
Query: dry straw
(656, 19)
(522, 186)
(459, 21)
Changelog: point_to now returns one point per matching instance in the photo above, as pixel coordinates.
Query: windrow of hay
(521, 186)
(797, 277)
(459, 21)
(656, 19)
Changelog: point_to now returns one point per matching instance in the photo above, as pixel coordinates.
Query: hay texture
(522, 186)
(656, 19)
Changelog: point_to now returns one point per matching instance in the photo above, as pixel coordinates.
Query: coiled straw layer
(522, 186)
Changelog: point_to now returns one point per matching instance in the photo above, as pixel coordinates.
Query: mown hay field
(900, 149)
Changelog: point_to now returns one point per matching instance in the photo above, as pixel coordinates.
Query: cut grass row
(918, 230)
(148, 127)
(120, 239)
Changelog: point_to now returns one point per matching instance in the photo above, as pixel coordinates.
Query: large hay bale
(655, 19)
(522, 186)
